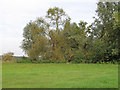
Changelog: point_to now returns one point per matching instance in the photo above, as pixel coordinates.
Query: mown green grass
(59, 75)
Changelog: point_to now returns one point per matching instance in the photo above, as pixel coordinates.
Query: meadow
(17, 75)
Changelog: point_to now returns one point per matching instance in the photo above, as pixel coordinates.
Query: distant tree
(35, 40)
(24, 57)
(103, 28)
(75, 40)
(57, 18)
(8, 56)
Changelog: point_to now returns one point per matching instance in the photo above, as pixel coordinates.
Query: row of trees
(56, 38)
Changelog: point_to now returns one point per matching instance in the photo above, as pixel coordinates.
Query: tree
(104, 23)
(39, 48)
(8, 56)
(35, 40)
(116, 15)
(76, 40)
(103, 27)
(57, 19)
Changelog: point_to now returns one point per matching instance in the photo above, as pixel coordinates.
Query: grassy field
(59, 75)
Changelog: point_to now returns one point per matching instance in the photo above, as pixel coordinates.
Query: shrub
(8, 56)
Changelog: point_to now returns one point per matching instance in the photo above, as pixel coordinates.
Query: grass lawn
(16, 75)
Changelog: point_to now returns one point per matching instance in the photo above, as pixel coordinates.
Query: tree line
(56, 38)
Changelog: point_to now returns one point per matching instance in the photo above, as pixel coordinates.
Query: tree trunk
(69, 58)
(57, 27)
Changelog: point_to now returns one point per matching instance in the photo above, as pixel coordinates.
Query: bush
(8, 56)
(51, 61)
(75, 61)
(24, 61)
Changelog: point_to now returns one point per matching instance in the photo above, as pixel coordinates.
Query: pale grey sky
(15, 14)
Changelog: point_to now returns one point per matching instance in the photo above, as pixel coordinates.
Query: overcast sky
(15, 14)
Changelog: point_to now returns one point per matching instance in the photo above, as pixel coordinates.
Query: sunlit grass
(59, 75)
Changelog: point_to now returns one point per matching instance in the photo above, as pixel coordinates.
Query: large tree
(57, 18)
(75, 40)
(35, 40)
(103, 27)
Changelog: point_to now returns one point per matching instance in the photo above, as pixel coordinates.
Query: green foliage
(41, 61)
(57, 17)
(57, 39)
(35, 40)
(104, 30)
(24, 61)
(24, 58)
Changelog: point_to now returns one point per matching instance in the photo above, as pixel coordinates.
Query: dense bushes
(40, 61)
(75, 61)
